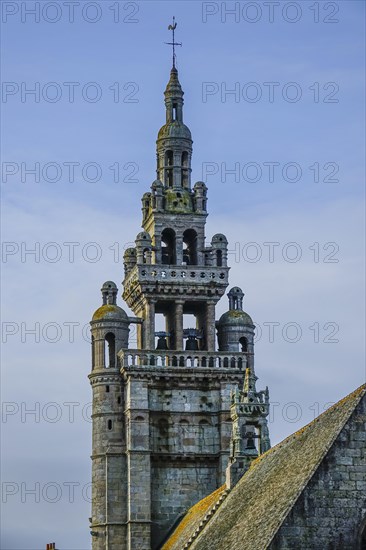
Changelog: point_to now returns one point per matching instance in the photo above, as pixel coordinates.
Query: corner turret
(235, 328)
(109, 329)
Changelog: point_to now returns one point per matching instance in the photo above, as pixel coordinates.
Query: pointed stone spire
(174, 98)
(249, 394)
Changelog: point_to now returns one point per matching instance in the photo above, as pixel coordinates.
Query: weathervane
(174, 43)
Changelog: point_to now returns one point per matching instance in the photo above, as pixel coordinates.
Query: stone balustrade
(177, 274)
(172, 358)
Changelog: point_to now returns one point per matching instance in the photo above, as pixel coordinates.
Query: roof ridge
(362, 391)
(209, 514)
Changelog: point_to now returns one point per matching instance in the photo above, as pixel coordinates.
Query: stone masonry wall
(172, 490)
(178, 435)
(332, 508)
(190, 431)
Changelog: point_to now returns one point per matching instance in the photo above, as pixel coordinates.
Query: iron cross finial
(174, 43)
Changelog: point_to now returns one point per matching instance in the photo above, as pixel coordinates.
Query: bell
(191, 344)
(162, 344)
(186, 259)
(250, 441)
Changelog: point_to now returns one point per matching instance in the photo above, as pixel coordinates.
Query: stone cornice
(105, 377)
(185, 374)
(186, 457)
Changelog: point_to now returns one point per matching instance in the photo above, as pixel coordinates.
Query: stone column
(210, 325)
(179, 249)
(177, 170)
(139, 336)
(250, 356)
(200, 325)
(169, 326)
(149, 325)
(179, 325)
(99, 346)
(157, 246)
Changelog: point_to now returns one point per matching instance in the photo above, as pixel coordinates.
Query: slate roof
(192, 520)
(255, 509)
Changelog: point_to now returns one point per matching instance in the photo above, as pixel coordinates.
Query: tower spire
(174, 143)
(172, 28)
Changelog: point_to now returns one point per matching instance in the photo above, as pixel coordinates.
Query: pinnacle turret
(174, 143)
(174, 98)
(249, 390)
(250, 436)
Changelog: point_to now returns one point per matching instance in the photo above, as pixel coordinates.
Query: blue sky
(312, 138)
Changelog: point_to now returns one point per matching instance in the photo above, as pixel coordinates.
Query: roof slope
(257, 506)
(192, 520)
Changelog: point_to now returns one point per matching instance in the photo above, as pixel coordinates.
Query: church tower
(162, 411)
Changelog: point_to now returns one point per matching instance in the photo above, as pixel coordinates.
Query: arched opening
(251, 437)
(243, 344)
(185, 169)
(110, 424)
(190, 247)
(110, 350)
(146, 256)
(219, 258)
(169, 168)
(168, 249)
(191, 334)
(174, 111)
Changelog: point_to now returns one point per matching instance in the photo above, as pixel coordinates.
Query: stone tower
(162, 412)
